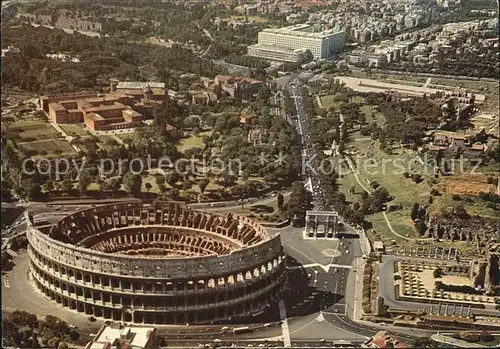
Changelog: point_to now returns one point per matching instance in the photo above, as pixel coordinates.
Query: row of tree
(247, 61)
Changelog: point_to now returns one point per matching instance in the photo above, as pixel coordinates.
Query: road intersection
(323, 291)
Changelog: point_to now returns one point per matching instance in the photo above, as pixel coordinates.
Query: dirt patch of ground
(455, 280)
(427, 278)
(466, 184)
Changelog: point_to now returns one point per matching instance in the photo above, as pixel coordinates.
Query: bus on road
(238, 330)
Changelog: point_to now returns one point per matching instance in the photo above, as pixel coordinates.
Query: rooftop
(136, 337)
(139, 85)
(302, 30)
(276, 48)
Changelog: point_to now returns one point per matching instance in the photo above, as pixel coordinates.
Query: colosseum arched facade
(162, 264)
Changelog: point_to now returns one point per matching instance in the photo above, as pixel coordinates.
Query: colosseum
(161, 264)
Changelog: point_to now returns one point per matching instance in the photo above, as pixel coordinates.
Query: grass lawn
(107, 139)
(327, 102)
(385, 77)
(75, 130)
(107, 142)
(372, 115)
(380, 231)
(347, 182)
(34, 129)
(50, 146)
(212, 186)
(387, 170)
(125, 136)
(192, 141)
(404, 190)
(151, 179)
(474, 206)
(259, 212)
(357, 99)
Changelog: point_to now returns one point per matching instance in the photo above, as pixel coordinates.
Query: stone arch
(200, 285)
(71, 288)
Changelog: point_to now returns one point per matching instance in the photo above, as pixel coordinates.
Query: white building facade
(274, 43)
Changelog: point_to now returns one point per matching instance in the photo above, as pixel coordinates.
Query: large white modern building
(289, 44)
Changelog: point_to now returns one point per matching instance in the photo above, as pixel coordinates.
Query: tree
(422, 227)
(241, 191)
(54, 327)
(148, 186)
(494, 153)
(49, 185)
(308, 57)
(280, 199)
(112, 184)
(172, 177)
(32, 189)
(417, 178)
(202, 184)
(54, 342)
(22, 318)
(84, 180)
(299, 201)
(438, 272)
(62, 345)
(379, 197)
(425, 342)
(160, 180)
(174, 193)
(74, 335)
(487, 337)
(459, 211)
(132, 183)
(186, 184)
(415, 211)
(381, 307)
(67, 183)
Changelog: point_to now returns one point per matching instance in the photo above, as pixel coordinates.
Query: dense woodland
(101, 59)
(23, 330)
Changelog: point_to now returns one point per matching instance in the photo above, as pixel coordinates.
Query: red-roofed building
(99, 113)
(238, 86)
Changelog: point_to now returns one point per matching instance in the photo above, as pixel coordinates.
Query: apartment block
(290, 43)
